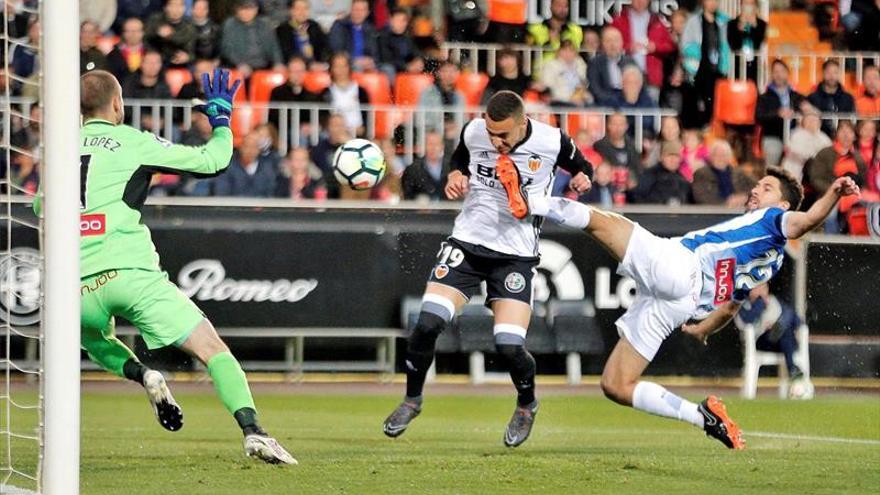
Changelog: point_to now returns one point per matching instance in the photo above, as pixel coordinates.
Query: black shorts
(463, 266)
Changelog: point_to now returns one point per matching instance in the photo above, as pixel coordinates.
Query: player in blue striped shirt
(704, 275)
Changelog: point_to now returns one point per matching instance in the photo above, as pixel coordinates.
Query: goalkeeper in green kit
(119, 264)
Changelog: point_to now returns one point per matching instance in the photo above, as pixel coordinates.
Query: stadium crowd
(640, 62)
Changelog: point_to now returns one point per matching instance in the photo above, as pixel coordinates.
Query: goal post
(59, 473)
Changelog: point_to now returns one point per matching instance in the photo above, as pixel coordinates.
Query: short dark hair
(829, 63)
(505, 104)
(96, 89)
(779, 61)
(792, 190)
(844, 123)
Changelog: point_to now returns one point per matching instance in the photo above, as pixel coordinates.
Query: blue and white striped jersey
(737, 255)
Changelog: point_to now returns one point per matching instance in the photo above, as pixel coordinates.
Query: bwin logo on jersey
(488, 172)
(20, 286)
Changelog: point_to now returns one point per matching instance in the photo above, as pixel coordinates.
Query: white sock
(561, 211)
(654, 399)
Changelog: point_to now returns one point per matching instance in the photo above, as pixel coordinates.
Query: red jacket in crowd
(658, 34)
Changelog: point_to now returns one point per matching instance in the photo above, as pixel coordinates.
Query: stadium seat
(576, 332)
(316, 81)
(176, 78)
(753, 359)
(244, 119)
(408, 88)
(472, 85)
(592, 122)
(240, 96)
(263, 82)
(379, 90)
(735, 102)
(106, 43)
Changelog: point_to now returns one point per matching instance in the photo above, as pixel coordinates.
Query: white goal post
(59, 472)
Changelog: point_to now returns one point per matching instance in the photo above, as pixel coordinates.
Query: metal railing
(850, 63)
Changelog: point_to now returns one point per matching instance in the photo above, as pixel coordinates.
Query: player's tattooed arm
(715, 321)
(798, 223)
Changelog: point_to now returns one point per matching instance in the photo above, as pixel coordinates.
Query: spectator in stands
(829, 96)
(356, 36)
(566, 77)
(396, 46)
(293, 91)
(126, 56)
(617, 149)
(268, 140)
(508, 76)
(345, 95)
(705, 55)
(746, 34)
(207, 43)
(172, 34)
(247, 42)
(147, 83)
(662, 183)
(102, 12)
(805, 141)
(302, 36)
(395, 163)
(775, 322)
(604, 191)
(591, 44)
(24, 170)
(694, 152)
(674, 89)
(275, 11)
(322, 153)
(677, 23)
(843, 158)
(301, 179)
(193, 89)
(507, 21)
(719, 182)
(25, 57)
(776, 106)
(28, 137)
(463, 20)
(142, 9)
(866, 145)
(90, 58)
(425, 178)
(647, 40)
(860, 24)
(633, 96)
(550, 33)
(249, 174)
(415, 65)
(443, 94)
(606, 69)
(868, 103)
(670, 132)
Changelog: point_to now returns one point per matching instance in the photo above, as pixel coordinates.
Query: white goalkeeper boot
(168, 413)
(267, 449)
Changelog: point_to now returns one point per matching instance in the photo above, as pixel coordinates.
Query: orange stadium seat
(379, 89)
(263, 82)
(316, 81)
(106, 43)
(591, 122)
(176, 78)
(243, 120)
(735, 102)
(472, 85)
(240, 96)
(408, 88)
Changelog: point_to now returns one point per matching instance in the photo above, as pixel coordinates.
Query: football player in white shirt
(500, 162)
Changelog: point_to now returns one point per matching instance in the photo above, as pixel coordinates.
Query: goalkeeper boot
(266, 449)
(509, 177)
(520, 425)
(168, 413)
(717, 424)
(396, 423)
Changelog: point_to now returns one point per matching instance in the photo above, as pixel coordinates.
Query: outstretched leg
(613, 231)
(439, 305)
(232, 387)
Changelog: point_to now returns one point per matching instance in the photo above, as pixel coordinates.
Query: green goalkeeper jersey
(117, 163)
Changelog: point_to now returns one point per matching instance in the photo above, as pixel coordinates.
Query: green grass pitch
(581, 444)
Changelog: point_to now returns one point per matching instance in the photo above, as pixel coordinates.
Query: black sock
(247, 421)
(522, 371)
(134, 370)
(420, 351)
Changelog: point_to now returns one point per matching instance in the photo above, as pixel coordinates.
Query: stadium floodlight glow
(59, 473)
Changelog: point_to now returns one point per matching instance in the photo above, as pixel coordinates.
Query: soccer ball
(801, 389)
(359, 163)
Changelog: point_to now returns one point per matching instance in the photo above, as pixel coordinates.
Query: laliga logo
(206, 280)
(20, 286)
(557, 274)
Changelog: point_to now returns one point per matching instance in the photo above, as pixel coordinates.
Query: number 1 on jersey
(83, 178)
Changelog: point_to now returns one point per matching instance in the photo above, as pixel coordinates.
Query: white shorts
(668, 283)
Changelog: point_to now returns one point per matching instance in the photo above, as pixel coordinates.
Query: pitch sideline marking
(787, 436)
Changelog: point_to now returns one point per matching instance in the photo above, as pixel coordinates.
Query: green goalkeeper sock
(230, 382)
(109, 352)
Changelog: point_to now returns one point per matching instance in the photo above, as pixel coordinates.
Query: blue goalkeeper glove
(219, 96)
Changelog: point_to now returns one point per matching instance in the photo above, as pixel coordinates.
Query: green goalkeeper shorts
(161, 312)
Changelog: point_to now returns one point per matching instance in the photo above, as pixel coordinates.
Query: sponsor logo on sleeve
(724, 271)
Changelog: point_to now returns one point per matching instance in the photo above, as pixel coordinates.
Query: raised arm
(798, 223)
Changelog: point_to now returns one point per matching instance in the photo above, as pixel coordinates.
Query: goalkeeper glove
(219, 96)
